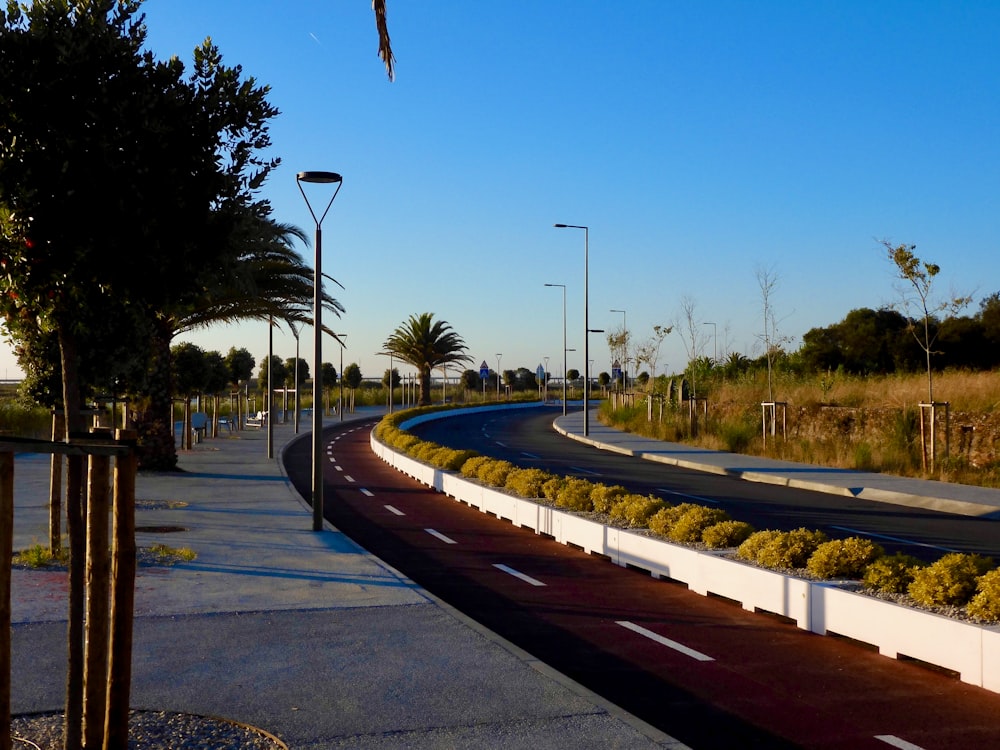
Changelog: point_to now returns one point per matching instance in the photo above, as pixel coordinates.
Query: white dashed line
(581, 470)
(338, 467)
(440, 536)
(664, 641)
(518, 574)
(367, 493)
(698, 498)
(348, 478)
(396, 511)
(891, 739)
(529, 455)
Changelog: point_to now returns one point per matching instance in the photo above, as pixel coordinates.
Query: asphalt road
(699, 668)
(525, 437)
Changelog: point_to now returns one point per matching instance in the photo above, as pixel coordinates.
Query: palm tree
(265, 278)
(384, 44)
(426, 344)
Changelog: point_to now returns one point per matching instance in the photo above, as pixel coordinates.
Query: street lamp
(545, 382)
(624, 350)
(318, 178)
(564, 343)
(498, 376)
(586, 319)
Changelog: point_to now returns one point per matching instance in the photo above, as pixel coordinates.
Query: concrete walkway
(300, 633)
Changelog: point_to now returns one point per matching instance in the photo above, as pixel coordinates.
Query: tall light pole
(295, 333)
(624, 350)
(545, 382)
(564, 344)
(715, 342)
(586, 320)
(318, 178)
(498, 375)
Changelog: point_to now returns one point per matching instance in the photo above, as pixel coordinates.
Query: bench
(199, 424)
(258, 420)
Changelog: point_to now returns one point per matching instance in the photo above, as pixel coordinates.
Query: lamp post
(295, 333)
(563, 286)
(715, 342)
(545, 382)
(586, 319)
(318, 178)
(498, 376)
(624, 350)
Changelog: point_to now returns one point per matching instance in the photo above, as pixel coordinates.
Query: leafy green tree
(290, 370)
(352, 376)
(329, 374)
(278, 369)
(471, 380)
(395, 377)
(426, 344)
(572, 374)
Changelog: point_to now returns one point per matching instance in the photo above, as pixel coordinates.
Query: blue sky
(699, 141)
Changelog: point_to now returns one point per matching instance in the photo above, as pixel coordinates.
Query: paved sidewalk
(300, 633)
(917, 493)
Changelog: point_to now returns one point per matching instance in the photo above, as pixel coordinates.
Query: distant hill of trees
(881, 341)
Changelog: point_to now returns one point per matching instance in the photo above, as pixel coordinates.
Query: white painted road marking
(518, 574)
(581, 470)
(664, 641)
(397, 511)
(369, 493)
(529, 455)
(689, 497)
(348, 478)
(440, 536)
(891, 739)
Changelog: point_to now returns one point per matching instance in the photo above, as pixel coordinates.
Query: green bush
(726, 534)
(470, 469)
(891, 574)
(494, 472)
(527, 483)
(403, 441)
(985, 605)
(951, 580)
(843, 558)
(790, 549)
(636, 510)
(750, 549)
(604, 496)
(575, 495)
(690, 526)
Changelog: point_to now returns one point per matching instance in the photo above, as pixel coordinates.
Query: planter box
(973, 651)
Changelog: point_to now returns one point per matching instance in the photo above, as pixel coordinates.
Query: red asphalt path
(699, 668)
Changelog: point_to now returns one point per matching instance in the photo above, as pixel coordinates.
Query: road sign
(540, 373)
(484, 370)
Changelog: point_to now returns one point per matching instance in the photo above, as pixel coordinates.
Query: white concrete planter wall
(973, 651)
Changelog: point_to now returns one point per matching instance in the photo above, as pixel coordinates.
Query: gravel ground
(151, 730)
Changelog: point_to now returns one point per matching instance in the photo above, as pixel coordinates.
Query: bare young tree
(649, 350)
(767, 281)
(692, 335)
(915, 295)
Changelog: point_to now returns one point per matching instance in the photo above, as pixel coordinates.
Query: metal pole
(317, 415)
(586, 321)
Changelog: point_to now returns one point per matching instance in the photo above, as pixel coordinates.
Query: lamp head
(323, 178)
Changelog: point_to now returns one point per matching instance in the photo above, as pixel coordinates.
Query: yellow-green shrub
(470, 468)
(790, 549)
(689, 527)
(891, 574)
(726, 534)
(750, 549)
(552, 488)
(949, 580)
(527, 482)
(843, 558)
(605, 495)
(575, 495)
(985, 605)
(403, 441)
(664, 519)
(425, 451)
(494, 472)
(451, 459)
(636, 510)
